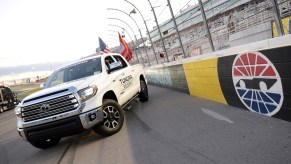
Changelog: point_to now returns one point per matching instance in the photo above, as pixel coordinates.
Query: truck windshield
(75, 71)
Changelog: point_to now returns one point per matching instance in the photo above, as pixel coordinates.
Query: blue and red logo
(257, 83)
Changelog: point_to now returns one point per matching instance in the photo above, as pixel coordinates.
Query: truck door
(115, 78)
(127, 81)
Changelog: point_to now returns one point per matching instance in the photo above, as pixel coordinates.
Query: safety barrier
(172, 77)
(254, 77)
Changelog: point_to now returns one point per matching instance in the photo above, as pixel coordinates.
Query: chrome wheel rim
(111, 117)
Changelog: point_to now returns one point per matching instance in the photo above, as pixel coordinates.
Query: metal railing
(224, 26)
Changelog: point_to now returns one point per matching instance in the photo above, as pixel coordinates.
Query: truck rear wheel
(143, 94)
(113, 119)
(45, 143)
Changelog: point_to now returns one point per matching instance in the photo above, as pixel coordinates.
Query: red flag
(124, 49)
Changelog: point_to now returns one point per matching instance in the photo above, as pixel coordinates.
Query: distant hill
(32, 67)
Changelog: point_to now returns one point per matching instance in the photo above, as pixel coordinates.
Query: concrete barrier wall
(172, 77)
(202, 79)
(253, 77)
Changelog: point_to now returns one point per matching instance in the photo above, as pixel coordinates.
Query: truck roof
(88, 58)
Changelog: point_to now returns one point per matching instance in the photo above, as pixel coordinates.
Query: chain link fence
(231, 23)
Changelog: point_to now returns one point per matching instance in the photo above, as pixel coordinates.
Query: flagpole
(159, 30)
(129, 37)
(152, 45)
(131, 31)
(139, 33)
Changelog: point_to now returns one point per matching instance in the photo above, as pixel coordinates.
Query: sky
(42, 31)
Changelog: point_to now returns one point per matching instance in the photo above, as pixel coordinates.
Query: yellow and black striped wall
(254, 80)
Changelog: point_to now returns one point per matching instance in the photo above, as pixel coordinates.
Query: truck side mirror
(42, 85)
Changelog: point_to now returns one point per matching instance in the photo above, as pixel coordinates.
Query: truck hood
(74, 85)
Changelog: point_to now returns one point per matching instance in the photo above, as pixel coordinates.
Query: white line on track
(216, 115)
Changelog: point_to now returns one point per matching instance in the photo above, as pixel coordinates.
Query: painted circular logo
(257, 83)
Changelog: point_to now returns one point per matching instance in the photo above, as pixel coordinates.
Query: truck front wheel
(1, 109)
(45, 143)
(113, 119)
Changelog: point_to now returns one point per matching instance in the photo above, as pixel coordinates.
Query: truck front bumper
(64, 127)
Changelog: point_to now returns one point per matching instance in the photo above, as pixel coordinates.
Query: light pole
(164, 48)
(111, 41)
(130, 29)
(137, 27)
(277, 17)
(127, 40)
(129, 37)
(126, 24)
(206, 25)
(152, 45)
(122, 29)
(112, 37)
(176, 27)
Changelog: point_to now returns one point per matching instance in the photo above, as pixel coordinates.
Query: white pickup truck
(89, 93)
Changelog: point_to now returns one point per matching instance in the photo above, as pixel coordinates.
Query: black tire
(113, 119)
(143, 94)
(1, 109)
(45, 143)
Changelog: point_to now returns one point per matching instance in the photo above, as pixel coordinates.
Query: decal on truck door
(126, 82)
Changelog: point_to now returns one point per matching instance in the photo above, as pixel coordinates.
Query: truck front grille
(49, 108)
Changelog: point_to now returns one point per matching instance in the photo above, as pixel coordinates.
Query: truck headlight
(87, 93)
(18, 111)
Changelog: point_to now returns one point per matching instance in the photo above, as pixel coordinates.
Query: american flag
(103, 47)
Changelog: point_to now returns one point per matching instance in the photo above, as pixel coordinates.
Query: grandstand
(231, 23)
